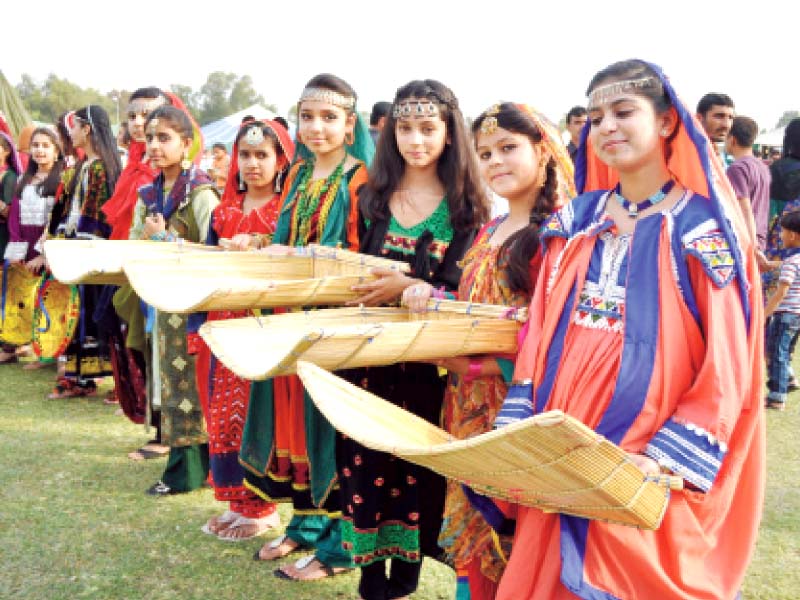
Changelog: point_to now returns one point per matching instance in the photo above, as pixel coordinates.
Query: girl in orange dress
(646, 324)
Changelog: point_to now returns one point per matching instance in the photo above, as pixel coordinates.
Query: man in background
(219, 165)
(380, 110)
(715, 113)
(576, 119)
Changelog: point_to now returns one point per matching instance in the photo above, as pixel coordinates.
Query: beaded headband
(415, 108)
(489, 124)
(144, 105)
(329, 97)
(605, 92)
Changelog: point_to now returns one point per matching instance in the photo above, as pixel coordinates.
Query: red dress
(224, 395)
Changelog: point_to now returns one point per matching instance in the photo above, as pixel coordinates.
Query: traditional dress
(654, 340)
(79, 216)
(288, 446)
(8, 183)
(225, 395)
(187, 209)
(393, 509)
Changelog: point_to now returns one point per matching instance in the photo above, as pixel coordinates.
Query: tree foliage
(787, 117)
(222, 94)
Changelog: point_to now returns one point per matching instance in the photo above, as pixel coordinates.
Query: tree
(223, 94)
(47, 101)
(787, 117)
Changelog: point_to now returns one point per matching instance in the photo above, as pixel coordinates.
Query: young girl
(178, 204)
(646, 325)
(423, 205)
(78, 215)
(287, 445)
(10, 170)
(248, 212)
(29, 213)
(523, 160)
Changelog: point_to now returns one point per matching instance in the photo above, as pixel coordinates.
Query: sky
(539, 53)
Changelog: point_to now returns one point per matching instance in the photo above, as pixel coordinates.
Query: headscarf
(695, 165)
(362, 148)
(15, 164)
(551, 140)
(231, 193)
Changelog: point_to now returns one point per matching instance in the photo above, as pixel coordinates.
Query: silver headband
(604, 92)
(329, 97)
(415, 108)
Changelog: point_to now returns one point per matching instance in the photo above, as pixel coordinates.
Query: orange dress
(644, 338)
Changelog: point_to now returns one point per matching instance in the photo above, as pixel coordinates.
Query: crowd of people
(639, 248)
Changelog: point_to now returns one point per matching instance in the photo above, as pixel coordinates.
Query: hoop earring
(349, 138)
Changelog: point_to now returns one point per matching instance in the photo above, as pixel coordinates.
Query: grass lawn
(75, 522)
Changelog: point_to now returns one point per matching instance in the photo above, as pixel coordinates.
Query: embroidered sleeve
(137, 225)
(203, 206)
(559, 224)
(16, 251)
(688, 450)
(709, 246)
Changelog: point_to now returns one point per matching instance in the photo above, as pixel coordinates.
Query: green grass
(75, 522)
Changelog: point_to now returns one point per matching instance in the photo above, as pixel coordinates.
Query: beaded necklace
(312, 196)
(634, 208)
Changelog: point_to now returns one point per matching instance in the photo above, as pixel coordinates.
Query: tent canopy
(225, 129)
(773, 137)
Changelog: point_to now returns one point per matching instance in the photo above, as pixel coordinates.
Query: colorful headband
(144, 105)
(415, 108)
(489, 124)
(328, 96)
(605, 92)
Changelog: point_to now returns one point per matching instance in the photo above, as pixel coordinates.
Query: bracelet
(474, 371)
(438, 294)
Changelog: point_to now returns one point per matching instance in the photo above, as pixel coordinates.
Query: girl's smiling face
(43, 151)
(626, 132)
(510, 163)
(322, 127)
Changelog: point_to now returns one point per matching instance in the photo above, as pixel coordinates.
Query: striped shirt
(790, 273)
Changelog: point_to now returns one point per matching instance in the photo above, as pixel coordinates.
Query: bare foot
(245, 528)
(277, 548)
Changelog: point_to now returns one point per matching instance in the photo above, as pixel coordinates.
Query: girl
(10, 170)
(646, 326)
(29, 213)
(77, 215)
(423, 205)
(287, 446)
(249, 210)
(178, 204)
(523, 160)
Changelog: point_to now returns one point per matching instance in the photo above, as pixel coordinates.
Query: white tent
(771, 138)
(226, 128)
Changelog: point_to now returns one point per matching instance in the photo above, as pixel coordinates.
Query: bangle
(438, 294)
(474, 371)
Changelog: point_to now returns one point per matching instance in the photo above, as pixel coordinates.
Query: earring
(186, 164)
(349, 138)
(242, 186)
(664, 132)
(279, 181)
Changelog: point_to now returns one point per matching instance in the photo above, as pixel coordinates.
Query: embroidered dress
(287, 446)
(88, 355)
(27, 221)
(470, 409)
(187, 209)
(227, 395)
(391, 508)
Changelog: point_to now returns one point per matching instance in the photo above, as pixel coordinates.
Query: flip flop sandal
(273, 545)
(305, 562)
(262, 525)
(227, 518)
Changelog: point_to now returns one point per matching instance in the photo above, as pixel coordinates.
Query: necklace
(312, 196)
(633, 208)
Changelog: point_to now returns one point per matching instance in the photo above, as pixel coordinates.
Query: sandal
(68, 388)
(145, 453)
(257, 527)
(275, 545)
(308, 568)
(216, 525)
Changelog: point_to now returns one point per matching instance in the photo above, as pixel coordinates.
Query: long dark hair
(791, 139)
(457, 167)
(63, 133)
(521, 246)
(50, 185)
(104, 143)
